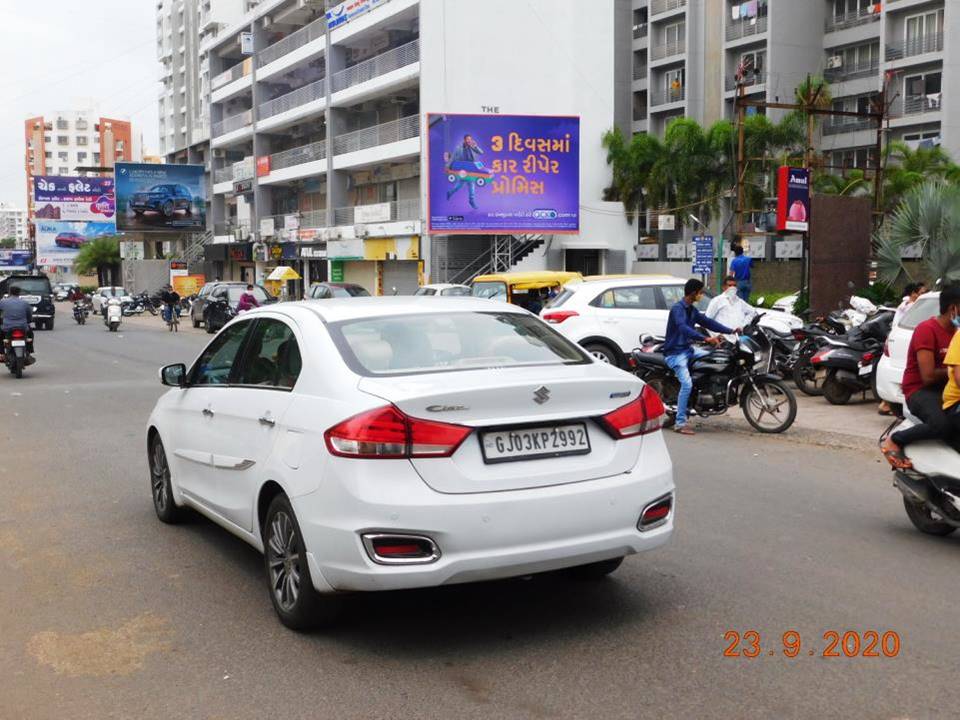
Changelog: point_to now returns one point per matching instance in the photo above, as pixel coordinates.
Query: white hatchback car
(444, 289)
(894, 360)
(608, 317)
(384, 443)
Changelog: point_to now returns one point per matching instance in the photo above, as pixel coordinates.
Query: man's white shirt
(732, 312)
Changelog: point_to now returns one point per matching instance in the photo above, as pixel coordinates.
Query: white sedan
(894, 360)
(380, 444)
(444, 289)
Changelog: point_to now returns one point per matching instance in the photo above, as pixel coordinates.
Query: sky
(72, 54)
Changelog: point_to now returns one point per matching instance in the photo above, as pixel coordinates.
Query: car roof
(338, 309)
(444, 286)
(336, 284)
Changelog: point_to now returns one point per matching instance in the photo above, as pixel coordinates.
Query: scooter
(931, 488)
(112, 314)
(847, 364)
(80, 312)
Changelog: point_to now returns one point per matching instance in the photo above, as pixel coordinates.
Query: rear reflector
(886, 348)
(655, 514)
(821, 356)
(639, 417)
(17, 334)
(867, 358)
(387, 433)
(559, 316)
(388, 549)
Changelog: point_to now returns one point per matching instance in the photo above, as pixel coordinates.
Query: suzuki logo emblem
(541, 395)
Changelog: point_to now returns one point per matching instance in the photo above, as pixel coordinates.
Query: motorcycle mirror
(761, 300)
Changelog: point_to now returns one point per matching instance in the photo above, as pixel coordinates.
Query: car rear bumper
(889, 381)
(480, 536)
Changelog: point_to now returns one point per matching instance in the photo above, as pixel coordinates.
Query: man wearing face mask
(728, 308)
(678, 349)
(925, 377)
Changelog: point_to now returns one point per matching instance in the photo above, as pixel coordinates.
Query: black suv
(217, 302)
(37, 291)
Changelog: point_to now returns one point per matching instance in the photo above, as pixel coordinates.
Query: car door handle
(269, 422)
(208, 412)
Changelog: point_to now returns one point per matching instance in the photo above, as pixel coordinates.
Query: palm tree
(853, 184)
(928, 215)
(100, 255)
(632, 164)
(912, 167)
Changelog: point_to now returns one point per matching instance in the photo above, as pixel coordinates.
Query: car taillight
(886, 348)
(821, 356)
(386, 432)
(639, 417)
(17, 334)
(559, 316)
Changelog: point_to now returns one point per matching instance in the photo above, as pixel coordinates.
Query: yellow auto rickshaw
(530, 290)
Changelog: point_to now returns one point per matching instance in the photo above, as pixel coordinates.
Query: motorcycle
(17, 350)
(80, 312)
(931, 488)
(112, 314)
(736, 373)
(847, 364)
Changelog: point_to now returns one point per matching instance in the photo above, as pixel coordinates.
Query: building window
(62, 124)
(81, 140)
(63, 171)
(674, 81)
(62, 156)
(81, 157)
(63, 140)
(48, 155)
(96, 158)
(922, 91)
(46, 139)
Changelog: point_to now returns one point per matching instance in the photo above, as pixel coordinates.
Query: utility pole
(741, 162)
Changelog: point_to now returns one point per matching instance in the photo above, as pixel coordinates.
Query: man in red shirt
(925, 376)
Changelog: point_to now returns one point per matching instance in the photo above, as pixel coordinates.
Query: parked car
(165, 199)
(327, 290)
(445, 289)
(404, 431)
(103, 294)
(520, 288)
(36, 290)
(894, 359)
(61, 291)
(609, 316)
(216, 303)
(70, 239)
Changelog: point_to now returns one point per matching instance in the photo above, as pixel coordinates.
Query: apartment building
(75, 142)
(317, 116)
(13, 224)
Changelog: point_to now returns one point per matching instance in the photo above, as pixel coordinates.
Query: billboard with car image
(59, 241)
(160, 198)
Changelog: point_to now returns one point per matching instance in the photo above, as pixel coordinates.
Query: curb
(800, 435)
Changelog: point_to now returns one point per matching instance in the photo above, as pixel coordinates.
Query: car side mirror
(174, 375)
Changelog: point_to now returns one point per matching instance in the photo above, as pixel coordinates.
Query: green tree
(100, 255)
(928, 215)
(631, 163)
(8, 242)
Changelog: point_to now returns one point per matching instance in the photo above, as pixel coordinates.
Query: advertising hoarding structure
(493, 174)
(793, 199)
(11, 260)
(160, 198)
(69, 212)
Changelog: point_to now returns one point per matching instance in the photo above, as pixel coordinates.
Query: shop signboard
(379, 212)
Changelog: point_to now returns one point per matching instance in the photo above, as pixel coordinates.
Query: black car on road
(36, 290)
(217, 303)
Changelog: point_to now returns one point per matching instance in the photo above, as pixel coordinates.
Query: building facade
(316, 150)
(13, 224)
(76, 142)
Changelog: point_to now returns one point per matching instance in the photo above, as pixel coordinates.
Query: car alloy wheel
(160, 487)
(283, 560)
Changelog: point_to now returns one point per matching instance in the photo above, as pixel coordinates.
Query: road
(106, 613)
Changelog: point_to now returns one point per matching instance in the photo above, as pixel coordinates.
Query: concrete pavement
(106, 613)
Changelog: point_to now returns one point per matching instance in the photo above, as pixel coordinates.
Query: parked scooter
(931, 488)
(18, 350)
(847, 364)
(80, 312)
(113, 314)
(735, 373)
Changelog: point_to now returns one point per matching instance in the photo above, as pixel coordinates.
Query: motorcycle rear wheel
(805, 378)
(754, 402)
(923, 521)
(668, 389)
(16, 367)
(834, 392)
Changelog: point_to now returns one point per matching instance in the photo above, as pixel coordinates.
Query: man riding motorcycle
(16, 313)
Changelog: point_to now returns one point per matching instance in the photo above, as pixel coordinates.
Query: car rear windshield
(234, 293)
(348, 291)
(490, 290)
(923, 308)
(443, 342)
(31, 286)
(560, 299)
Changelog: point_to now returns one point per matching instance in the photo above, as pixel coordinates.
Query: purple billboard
(503, 174)
(69, 198)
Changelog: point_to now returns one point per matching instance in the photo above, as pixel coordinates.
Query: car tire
(923, 521)
(161, 488)
(168, 209)
(297, 603)
(48, 325)
(138, 213)
(595, 570)
(603, 353)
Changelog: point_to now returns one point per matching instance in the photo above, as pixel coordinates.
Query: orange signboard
(263, 165)
(187, 285)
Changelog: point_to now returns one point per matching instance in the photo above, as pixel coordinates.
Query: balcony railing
(850, 19)
(234, 122)
(640, 31)
(671, 95)
(662, 6)
(677, 47)
(852, 72)
(745, 28)
(640, 72)
(399, 210)
(222, 175)
(306, 34)
(914, 105)
(931, 42)
(382, 64)
(296, 98)
(845, 125)
(391, 132)
(299, 155)
(228, 76)
(758, 78)
(639, 114)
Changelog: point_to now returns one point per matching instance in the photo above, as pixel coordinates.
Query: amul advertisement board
(59, 241)
(793, 199)
(160, 198)
(65, 197)
(503, 174)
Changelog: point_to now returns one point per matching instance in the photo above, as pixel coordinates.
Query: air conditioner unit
(219, 153)
(834, 62)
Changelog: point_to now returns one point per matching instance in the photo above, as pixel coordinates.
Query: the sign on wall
(793, 199)
(503, 173)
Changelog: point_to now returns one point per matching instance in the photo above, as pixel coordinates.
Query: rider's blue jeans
(680, 364)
